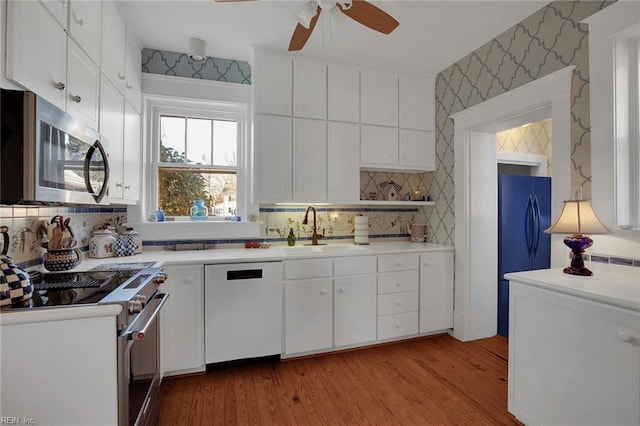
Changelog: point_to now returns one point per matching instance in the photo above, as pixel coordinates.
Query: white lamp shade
(577, 217)
(197, 50)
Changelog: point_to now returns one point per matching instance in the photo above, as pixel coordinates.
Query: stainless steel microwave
(47, 156)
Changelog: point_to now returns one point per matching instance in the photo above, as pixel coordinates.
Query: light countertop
(613, 288)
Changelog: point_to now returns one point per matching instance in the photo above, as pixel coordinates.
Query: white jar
(102, 244)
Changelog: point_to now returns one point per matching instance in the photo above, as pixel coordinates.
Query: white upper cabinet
(343, 82)
(309, 160)
(36, 51)
(131, 153)
(84, 26)
(416, 149)
(114, 33)
(273, 158)
(83, 89)
(379, 97)
(309, 88)
(416, 102)
(111, 127)
(58, 9)
(343, 154)
(273, 83)
(133, 72)
(379, 146)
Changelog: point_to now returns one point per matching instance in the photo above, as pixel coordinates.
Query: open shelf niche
(408, 186)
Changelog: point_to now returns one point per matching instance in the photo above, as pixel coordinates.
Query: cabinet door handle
(189, 279)
(342, 290)
(60, 85)
(120, 76)
(76, 98)
(398, 303)
(398, 284)
(624, 336)
(398, 325)
(127, 187)
(118, 185)
(129, 86)
(323, 291)
(398, 264)
(80, 22)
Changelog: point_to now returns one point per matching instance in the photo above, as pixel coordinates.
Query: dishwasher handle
(244, 274)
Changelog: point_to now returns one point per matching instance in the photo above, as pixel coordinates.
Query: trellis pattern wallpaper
(534, 138)
(548, 40)
(178, 64)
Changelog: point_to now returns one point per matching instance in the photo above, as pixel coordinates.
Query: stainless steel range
(136, 287)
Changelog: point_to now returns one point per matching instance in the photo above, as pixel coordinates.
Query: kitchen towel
(361, 229)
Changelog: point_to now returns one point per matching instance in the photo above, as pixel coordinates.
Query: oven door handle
(138, 328)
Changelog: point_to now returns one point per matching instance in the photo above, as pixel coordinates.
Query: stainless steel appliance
(47, 155)
(134, 286)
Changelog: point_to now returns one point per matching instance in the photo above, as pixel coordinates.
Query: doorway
(475, 314)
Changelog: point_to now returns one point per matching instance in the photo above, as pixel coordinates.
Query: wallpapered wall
(546, 41)
(534, 138)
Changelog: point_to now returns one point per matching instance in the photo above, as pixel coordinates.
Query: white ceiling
(431, 36)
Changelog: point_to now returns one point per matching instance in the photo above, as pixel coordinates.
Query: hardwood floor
(428, 381)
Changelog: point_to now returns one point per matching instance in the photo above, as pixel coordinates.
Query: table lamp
(577, 218)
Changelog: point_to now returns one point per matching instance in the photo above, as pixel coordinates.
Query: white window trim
(613, 39)
(161, 91)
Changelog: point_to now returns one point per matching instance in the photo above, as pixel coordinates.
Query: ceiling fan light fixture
(196, 50)
(306, 14)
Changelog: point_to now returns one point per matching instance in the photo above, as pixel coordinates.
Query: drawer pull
(189, 279)
(398, 284)
(398, 303)
(398, 325)
(120, 76)
(323, 291)
(60, 85)
(80, 22)
(624, 336)
(342, 290)
(76, 98)
(398, 263)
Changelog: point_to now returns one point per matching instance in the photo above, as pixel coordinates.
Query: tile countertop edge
(58, 314)
(616, 289)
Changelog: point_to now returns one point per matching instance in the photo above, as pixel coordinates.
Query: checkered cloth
(15, 285)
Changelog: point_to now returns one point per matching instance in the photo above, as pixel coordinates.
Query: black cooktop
(76, 288)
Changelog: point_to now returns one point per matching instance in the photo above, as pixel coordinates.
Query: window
(196, 150)
(197, 162)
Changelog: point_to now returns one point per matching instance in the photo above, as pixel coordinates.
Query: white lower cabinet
(436, 291)
(308, 315)
(182, 320)
(572, 361)
(354, 310)
(358, 300)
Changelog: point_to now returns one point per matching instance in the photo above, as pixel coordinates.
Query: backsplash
(336, 222)
(22, 221)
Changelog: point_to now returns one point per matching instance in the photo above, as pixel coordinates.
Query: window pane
(172, 139)
(178, 190)
(225, 142)
(199, 140)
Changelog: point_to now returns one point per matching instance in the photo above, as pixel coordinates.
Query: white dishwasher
(242, 311)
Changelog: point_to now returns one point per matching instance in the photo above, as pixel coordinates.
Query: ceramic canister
(102, 244)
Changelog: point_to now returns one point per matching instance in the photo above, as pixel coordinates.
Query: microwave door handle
(87, 162)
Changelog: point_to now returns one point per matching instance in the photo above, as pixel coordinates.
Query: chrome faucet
(305, 221)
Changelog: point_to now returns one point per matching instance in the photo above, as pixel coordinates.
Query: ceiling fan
(359, 10)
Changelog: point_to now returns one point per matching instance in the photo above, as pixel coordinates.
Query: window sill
(186, 230)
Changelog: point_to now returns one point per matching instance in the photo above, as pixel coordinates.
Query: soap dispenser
(291, 239)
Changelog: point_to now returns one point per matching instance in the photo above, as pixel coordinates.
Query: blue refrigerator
(524, 212)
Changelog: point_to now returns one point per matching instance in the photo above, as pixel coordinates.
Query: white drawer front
(311, 268)
(397, 325)
(397, 262)
(394, 303)
(399, 281)
(354, 265)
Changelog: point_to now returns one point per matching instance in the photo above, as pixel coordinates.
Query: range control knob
(135, 307)
(141, 298)
(161, 277)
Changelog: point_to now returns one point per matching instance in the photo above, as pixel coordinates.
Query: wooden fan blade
(302, 34)
(370, 16)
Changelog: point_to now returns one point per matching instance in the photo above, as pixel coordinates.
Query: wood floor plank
(435, 380)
